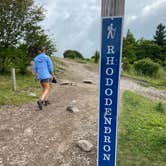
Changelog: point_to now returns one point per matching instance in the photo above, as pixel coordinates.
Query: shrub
(72, 54)
(126, 65)
(146, 67)
(96, 57)
(12, 57)
(160, 107)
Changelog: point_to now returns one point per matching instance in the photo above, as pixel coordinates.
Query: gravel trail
(29, 137)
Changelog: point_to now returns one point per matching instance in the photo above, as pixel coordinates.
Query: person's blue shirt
(43, 66)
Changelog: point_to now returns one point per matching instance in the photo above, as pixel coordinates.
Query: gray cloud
(76, 24)
(144, 20)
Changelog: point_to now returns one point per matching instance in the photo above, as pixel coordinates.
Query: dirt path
(135, 86)
(48, 138)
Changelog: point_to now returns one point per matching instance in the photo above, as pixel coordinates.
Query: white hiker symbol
(111, 32)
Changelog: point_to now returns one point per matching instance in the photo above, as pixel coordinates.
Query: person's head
(41, 50)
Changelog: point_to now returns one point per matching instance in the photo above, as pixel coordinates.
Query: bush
(126, 65)
(96, 57)
(72, 54)
(160, 107)
(146, 67)
(12, 57)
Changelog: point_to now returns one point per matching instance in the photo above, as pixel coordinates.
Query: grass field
(142, 132)
(25, 86)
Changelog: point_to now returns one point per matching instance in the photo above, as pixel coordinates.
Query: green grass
(58, 66)
(142, 132)
(85, 61)
(25, 86)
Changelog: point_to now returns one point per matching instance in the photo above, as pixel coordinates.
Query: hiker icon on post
(111, 32)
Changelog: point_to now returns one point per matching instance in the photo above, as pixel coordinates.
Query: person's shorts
(45, 80)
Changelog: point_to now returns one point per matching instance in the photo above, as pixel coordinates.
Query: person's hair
(41, 49)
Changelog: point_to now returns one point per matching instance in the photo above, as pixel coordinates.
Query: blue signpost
(109, 89)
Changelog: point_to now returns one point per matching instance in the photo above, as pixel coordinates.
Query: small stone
(65, 83)
(32, 94)
(72, 109)
(85, 145)
(88, 82)
(68, 83)
(73, 84)
(73, 103)
(28, 132)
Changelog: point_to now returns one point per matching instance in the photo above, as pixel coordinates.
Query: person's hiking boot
(40, 104)
(46, 102)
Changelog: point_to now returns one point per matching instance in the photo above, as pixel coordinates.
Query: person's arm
(34, 70)
(50, 67)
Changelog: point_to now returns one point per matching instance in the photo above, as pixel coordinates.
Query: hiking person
(43, 71)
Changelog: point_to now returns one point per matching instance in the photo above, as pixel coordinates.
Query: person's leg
(45, 91)
(46, 101)
(46, 87)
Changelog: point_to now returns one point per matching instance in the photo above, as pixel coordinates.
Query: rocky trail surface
(55, 136)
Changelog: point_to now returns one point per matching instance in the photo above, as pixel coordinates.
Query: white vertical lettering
(108, 111)
(109, 81)
(108, 92)
(107, 139)
(108, 101)
(110, 49)
(107, 148)
(108, 120)
(109, 71)
(107, 157)
(110, 61)
(107, 130)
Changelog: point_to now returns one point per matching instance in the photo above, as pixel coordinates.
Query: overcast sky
(75, 24)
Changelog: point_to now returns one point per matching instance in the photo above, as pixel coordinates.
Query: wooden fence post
(112, 8)
(13, 79)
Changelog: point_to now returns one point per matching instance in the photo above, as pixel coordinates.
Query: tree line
(145, 56)
(73, 54)
(21, 34)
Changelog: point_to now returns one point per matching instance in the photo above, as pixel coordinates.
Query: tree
(96, 57)
(128, 52)
(72, 54)
(36, 38)
(148, 49)
(16, 16)
(20, 32)
(146, 67)
(129, 39)
(160, 35)
(13, 57)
